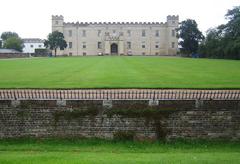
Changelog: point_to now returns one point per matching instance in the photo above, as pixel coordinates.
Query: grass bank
(119, 72)
(103, 151)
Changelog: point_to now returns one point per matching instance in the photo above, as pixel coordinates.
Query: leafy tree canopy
(8, 34)
(55, 40)
(232, 28)
(14, 43)
(190, 36)
(224, 41)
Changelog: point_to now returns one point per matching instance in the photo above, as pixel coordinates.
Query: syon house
(118, 38)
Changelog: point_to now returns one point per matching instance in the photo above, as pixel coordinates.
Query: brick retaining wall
(145, 119)
(13, 55)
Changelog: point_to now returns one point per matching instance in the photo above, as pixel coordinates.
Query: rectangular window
(99, 33)
(143, 45)
(84, 53)
(31, 46)
(173, 33)
(129, 46)
(143, 33)
(84, 45)
(121, 33)
(157, 33)
(157, 45)
(173, 44)
(70, 53)
(70, 33)
(99, 45)
(84, 33)
(40, 46)
(70, 44)
(129, 33)
(143, 53)
(156, 53)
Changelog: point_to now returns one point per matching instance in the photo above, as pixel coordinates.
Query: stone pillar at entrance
(107, 48)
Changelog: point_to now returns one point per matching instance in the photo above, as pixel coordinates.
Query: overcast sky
(32, 19)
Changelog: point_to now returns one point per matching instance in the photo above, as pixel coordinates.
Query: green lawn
(119, 72)
(102, 151)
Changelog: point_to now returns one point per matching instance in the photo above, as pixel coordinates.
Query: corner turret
(172, 20)
(57, 23)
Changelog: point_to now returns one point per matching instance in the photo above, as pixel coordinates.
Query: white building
(30, 44)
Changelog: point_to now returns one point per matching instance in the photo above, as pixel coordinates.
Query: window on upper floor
(143, 33)
(173, 44)
(70, 33)
(173, 33)
(120, 33)
(84, 33)
(129, 46)
(84, 45)
(56, 22)
(157, 45)
(40, 46)
(31, 46)
(157, 33)
(70, 44)
(99, 45)
(114, 31)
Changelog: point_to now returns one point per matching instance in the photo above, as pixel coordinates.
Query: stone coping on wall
(118, 94)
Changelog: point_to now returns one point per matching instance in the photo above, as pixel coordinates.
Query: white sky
(30, 18)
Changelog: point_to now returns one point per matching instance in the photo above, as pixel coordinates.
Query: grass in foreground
(102, 151)
(119, 72)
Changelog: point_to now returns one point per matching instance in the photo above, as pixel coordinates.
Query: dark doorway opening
(114, 49)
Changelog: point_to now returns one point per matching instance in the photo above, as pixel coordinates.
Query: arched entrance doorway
(114, 49)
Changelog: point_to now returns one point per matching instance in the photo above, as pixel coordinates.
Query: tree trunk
(55, 52)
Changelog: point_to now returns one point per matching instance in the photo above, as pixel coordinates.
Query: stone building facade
(118, 38)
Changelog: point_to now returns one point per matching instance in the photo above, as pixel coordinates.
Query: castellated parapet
(133, 38)
(113, 23)
(57, 17)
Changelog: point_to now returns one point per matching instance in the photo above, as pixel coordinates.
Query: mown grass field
(102, 151)
(119, 72)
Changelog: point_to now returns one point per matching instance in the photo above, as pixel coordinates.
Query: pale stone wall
(115, 32)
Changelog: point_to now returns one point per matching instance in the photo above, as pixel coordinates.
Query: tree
(224, 41)
(232, 28)
(55, 40)
(190, 36)
(0, 44)
(8, 34)
(14, 43)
